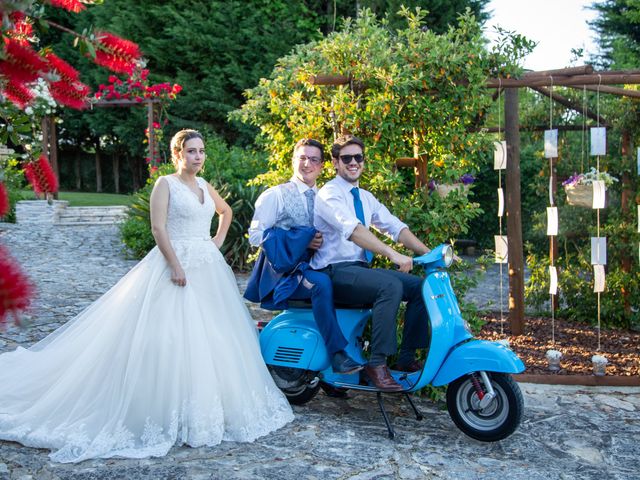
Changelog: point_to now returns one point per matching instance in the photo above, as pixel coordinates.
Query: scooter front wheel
(485, 421)
(299, 386)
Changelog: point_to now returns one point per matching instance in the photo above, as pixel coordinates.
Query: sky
(558, 26)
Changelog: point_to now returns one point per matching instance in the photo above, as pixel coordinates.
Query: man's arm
(362, 237)
(409, 240)
(264, 215)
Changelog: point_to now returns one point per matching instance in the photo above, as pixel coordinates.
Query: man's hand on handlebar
(404, 263)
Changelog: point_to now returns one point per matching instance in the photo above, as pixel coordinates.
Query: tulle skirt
(147, 366)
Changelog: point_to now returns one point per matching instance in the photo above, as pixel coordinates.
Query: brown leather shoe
(381, 377)
(413, 366)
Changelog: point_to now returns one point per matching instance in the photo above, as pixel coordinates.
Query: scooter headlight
(447, 255)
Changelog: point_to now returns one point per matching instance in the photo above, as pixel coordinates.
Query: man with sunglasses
(282, 225)
(344, 213)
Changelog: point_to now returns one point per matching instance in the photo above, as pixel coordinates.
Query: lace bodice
(187, 218)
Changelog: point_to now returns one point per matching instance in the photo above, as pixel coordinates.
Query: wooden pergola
(583, 77)
(50, 143)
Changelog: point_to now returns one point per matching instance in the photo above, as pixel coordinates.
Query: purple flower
(572, 180)
(467, 179)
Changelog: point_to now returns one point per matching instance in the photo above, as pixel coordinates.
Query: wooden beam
(536, 128)
(513, 210)
(542, 81)
(625, 92)
(124, 102)
(581, 70)
(329, 80)
(569, 104)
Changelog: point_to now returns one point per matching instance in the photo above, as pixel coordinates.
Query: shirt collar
(344, 185)
(303, 187)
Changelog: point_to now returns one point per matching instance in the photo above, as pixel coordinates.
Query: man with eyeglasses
(344, 213)
(282, 225)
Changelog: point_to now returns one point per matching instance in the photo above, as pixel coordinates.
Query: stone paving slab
(568, 432)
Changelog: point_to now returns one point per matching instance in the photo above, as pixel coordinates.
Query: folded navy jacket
(284, 257)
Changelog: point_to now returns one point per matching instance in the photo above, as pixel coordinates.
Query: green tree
(411, 87)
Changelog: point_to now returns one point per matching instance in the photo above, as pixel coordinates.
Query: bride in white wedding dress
(168, 356)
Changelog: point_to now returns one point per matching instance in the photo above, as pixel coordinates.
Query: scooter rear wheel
(498, 419)
(299, 386)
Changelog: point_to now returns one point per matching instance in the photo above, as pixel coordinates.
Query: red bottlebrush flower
(70, 5)
(16, 291)
(61, 67)
(72, 94)
(21, 62)
(4, 200)
(17, 93)
(40, 175)
(22, 30)
(115, 53)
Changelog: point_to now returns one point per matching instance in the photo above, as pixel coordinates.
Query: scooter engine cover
(292, 344)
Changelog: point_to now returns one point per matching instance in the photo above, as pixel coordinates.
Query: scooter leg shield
(475, 356)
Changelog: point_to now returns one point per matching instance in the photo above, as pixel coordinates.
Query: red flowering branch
(41, 176)
(4, 200)
(20, 64)
(16, 291)
(70, 5)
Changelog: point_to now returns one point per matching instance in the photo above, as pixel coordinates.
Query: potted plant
(579, 187)
(445, 189)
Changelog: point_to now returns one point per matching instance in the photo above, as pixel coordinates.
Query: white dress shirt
(335, 218)
(268, 208)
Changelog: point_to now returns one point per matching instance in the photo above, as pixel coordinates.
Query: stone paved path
(567, 432)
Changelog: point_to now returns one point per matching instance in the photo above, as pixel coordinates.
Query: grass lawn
(87, 199)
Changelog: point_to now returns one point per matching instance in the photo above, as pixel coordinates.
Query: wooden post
(514, 220)
(53, 151)
(152, 138)
(625, 207)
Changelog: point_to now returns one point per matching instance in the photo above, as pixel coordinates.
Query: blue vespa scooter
(483, 400)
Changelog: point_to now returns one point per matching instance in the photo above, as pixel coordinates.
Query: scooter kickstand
(392, 434)
(419, 415)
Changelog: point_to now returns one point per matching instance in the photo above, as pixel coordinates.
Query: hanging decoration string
(500, 216)
(598, 210)
(584, 126)
(551, 202)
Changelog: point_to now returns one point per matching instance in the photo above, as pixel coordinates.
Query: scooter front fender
(475, 356)
(292, 340)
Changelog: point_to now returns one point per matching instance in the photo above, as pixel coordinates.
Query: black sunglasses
(346, 159)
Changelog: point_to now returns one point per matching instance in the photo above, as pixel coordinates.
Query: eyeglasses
(312, 160)
(346, 159)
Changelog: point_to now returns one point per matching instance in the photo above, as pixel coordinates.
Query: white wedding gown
(149, 364)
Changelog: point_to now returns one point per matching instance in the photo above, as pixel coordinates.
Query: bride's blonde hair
(178, 141)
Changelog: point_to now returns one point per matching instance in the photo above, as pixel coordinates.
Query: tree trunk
(77, 168)
(116, 172)
(98, 170)
(135, 174)
(513, 210)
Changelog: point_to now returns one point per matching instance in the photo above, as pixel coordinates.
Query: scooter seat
(343, 306)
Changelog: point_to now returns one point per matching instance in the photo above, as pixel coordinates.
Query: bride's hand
(217, 241)
(178, 276)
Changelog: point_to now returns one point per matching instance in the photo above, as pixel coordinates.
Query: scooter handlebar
(441, 256)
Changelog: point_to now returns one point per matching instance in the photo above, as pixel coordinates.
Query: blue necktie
(357, 204)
